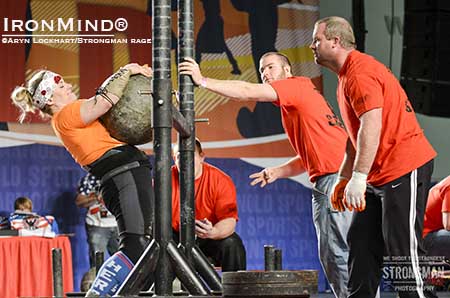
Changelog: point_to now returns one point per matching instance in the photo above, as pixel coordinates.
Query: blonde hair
(23, 203)
(339, 27)
(23, 98)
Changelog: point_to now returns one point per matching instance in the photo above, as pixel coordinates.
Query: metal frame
(162, 257)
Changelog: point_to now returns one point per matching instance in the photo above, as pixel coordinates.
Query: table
(26, 265)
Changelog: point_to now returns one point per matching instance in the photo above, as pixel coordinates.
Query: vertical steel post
(57, 273)
(187, 144)
(278, 259)
(269, 257)
(99, 259)
(162, 115)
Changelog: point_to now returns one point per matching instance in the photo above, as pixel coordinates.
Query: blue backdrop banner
(279, 214)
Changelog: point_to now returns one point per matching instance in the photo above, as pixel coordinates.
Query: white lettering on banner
(107, 275)
(58, 176)
(114, 266)
(10, 175)
(276, 226)
(255, 205)
(100, 284)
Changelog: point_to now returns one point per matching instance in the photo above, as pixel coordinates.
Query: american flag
(89, 184)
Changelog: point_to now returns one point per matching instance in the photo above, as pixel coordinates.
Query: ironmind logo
(60, 26)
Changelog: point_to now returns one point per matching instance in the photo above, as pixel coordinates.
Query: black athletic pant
(390, 230)
(127, 191)
(229, 253)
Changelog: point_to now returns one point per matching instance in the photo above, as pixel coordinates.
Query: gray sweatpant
(331, 229)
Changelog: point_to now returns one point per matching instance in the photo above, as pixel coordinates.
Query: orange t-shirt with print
(366, 84)
(215, 196)
(438, 202)
(86, 143)
(314, 131)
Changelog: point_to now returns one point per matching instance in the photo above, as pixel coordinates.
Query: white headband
(44, 90)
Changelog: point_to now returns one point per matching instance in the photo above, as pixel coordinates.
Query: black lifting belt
(119, 170)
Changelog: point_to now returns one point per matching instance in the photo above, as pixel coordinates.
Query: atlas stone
(130, 120)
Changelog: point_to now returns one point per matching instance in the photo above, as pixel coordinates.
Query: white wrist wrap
(359, 177)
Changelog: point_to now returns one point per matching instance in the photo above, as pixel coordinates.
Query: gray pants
(331, 229)
(104, 239)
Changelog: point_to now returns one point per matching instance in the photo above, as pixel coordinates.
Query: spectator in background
(23, 204)
(101, 225)
(23, 218)
(436, 226)
(215, 212)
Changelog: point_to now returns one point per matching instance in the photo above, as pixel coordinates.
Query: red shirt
(366, 84)
(314, 131)
(438, 202)
(215, 196)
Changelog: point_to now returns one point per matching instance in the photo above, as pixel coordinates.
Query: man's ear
(288, 69)
(202, 155)
(336, 41)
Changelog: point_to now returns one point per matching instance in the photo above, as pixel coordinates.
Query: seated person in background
(215, 212)
(101, 225)
(24, 219)
(436, 226)
(23, 204)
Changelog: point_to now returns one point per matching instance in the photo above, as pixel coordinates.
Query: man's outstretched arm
(237, 90)
(290, 168)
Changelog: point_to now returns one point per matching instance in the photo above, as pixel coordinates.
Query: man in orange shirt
(387, 168)
(318, 138)
(436, 226)
(216, 212)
